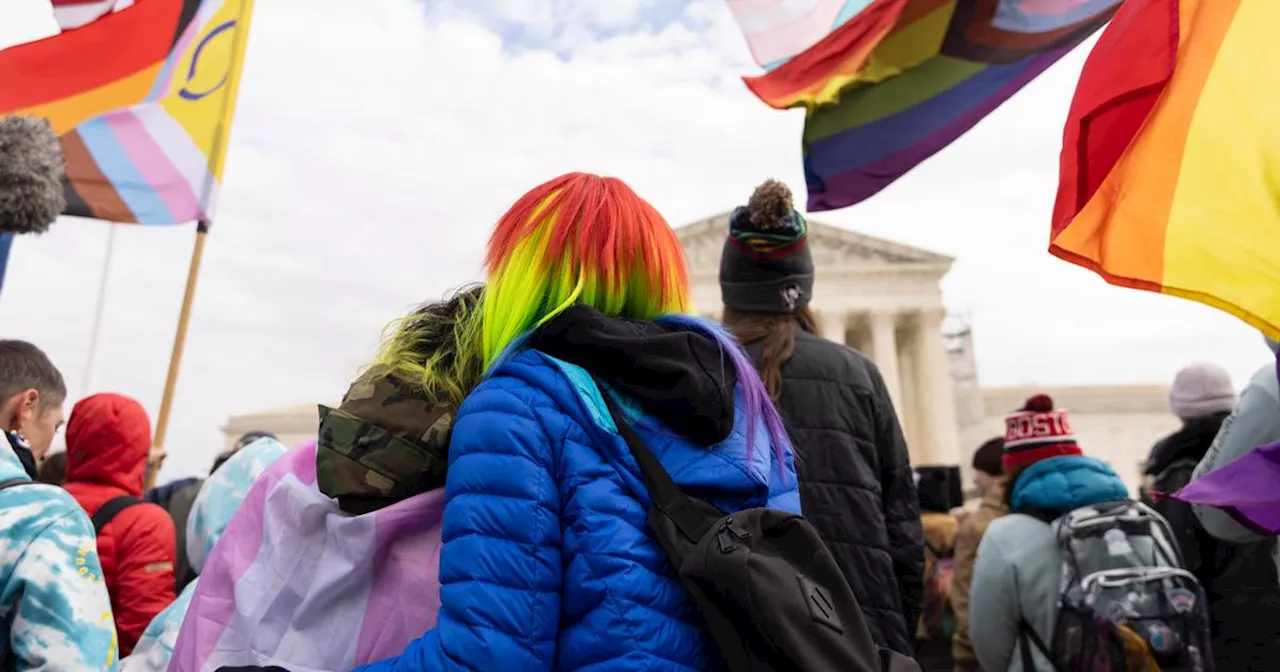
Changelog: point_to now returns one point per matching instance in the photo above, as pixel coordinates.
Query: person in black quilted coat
(856, 482)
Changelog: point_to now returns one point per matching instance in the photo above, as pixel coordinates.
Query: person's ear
(29, 404)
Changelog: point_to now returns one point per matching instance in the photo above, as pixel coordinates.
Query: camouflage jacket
(54, 606)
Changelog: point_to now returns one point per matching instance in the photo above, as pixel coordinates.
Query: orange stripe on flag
(109, 49)
(844, 50)
(70, 112)
(1175, 178)
(1120, 233)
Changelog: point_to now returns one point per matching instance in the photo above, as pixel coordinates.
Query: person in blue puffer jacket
(1018, 573)
(548, 562)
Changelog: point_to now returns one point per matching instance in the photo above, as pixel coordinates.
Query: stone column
(833, 324)
(909, 413)
(884, 351)
(940, 433)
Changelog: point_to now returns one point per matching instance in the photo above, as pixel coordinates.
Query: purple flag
(1245, 489)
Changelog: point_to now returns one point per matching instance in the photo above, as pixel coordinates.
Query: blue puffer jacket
(547, 561)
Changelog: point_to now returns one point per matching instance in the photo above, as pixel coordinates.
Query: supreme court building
(884, 298)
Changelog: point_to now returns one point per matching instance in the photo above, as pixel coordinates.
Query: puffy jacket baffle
(856, 483)
(108, 439)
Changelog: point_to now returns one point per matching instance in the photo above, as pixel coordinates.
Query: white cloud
(25, 21)
(376, 143)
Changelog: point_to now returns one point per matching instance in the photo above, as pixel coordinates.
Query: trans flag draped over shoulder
(142, 96)
(888, 83)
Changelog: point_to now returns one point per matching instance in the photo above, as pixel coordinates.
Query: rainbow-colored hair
(579, 239)
(586, 239)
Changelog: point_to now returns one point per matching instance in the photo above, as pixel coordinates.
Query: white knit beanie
(1202, 389)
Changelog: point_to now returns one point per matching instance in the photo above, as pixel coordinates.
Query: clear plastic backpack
(1127, 603)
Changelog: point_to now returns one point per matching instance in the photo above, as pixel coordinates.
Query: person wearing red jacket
(108, 440)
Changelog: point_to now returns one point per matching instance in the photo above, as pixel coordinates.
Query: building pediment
(832, 247)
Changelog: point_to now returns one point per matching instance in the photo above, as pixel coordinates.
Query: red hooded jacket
(108, 441)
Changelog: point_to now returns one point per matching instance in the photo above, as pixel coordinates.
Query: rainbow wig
(586, 239)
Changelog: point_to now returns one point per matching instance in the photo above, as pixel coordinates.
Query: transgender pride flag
(776, 30)
(295, 582)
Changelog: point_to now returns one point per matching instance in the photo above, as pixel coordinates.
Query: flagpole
(179, 343)
(218, 160)
(96, 333)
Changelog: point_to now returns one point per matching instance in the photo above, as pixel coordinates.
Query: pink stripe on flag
(393, 581)
(238, 549)
(779, 29)
(305, 470)
(154, 165)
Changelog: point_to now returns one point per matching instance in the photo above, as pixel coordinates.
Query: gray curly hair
(31, 174)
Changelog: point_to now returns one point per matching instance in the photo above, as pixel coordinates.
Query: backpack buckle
(727, 528)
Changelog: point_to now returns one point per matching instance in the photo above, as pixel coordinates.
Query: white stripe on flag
(187, 157)
(778, 14)
(72, 16)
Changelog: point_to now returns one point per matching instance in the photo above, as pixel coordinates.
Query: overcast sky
(376, 143)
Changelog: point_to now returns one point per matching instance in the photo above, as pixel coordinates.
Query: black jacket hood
(1189, 443)
(679, 375)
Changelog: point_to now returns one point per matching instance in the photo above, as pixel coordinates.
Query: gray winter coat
(1254, 422)
(1018, 574)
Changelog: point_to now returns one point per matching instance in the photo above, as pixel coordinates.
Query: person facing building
(856, 482)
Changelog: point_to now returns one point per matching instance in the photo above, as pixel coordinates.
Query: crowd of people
(490, 466)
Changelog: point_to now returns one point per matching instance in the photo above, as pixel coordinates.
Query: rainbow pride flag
(143, 99)
(902, 79)
(1170, 171)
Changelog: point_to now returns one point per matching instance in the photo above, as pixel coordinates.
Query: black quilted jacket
(856, 484)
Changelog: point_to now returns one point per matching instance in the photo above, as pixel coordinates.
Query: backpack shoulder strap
(663, 490)
(1029, 637)
(107, 512)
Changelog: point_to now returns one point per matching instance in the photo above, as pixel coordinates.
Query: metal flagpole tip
(31, 175)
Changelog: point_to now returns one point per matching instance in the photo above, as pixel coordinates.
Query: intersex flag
(142, 98)
(901, 79)
(1170, 169)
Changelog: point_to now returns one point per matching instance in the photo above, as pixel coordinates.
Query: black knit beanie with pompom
(766, 266)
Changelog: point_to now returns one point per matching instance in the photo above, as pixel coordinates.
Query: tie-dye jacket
(54, 606)
(219, 498)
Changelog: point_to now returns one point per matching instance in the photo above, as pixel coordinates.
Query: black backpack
(770, 592)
